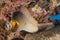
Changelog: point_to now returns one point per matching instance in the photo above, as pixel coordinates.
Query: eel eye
(15, 24)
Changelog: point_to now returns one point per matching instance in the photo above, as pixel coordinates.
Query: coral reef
(34, 12)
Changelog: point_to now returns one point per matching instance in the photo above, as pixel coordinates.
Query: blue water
(55, 17)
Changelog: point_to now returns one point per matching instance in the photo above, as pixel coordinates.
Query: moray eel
(27, 22)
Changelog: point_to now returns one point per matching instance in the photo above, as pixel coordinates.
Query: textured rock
(52, 34)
